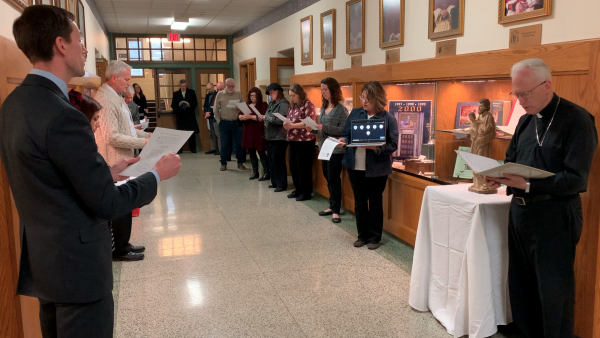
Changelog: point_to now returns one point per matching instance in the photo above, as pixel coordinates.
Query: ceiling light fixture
(180, 22)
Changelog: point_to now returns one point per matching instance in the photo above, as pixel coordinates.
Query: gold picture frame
(328, 49)
(306, 37)
(452, 24)
(355, 43)
(505, 15)
(395, 38)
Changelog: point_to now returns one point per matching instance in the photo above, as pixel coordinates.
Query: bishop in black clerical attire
(545, 218)
(184, 106)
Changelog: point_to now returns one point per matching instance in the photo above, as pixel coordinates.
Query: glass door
(166, 83)
(203, 77)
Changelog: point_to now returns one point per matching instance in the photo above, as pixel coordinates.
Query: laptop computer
(367, 133)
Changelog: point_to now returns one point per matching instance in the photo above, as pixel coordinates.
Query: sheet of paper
(232, 103)
(327, 148)
(282, 118)
(144, 124)
(244, 108)
(254, 109)
(488, 167)
(162, 142)
(309, 123)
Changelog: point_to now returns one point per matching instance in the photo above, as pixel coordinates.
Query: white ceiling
(206, 16)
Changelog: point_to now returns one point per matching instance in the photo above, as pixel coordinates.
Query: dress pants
(231, 131)
(121, 229)
(76, 320)
(254, 158)
(332, 170)
(368, 204)
(301, 160)
(214, 134)
(192, 142)
(277, 163)
(541, 249)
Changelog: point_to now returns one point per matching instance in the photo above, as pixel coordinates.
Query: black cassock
(186, 116)
(543, 233)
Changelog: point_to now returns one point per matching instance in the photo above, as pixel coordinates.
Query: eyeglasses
(364, 98)
(525, 95)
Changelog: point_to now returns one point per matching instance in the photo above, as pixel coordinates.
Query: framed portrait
(355, 26)
(446, 18)
(306, 40)
(517, 10)
(328, 35)
(391, 23)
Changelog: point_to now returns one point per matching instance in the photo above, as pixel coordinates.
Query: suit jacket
(64, 193)
(186, 116)
(134, 109)
(208, 103)
(113, 137)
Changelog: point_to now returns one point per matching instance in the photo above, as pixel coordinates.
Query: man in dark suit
(63, 189)
(209, 103)
(184, 106)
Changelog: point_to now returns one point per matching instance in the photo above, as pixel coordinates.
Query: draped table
(460, 265)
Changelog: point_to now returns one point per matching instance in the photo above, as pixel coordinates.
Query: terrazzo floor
(228, 257)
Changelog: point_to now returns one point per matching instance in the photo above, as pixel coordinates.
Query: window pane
(121, 43)
(178, 55)
(167, 55)
(156, 55)
(203, 79)
(213, 78)
(189, 43)
(145, 42)
(189, 55)
(222, 44)
(155, 43)
(200, 56)
(211, 55)
(134, 55)
(165, 80)
(121, 54)
(221, 77)
(166, 44)
(177, 45)
(146, 55)
(203, 91)
(210, 44)
(133, 43)
(199, 43)
(222, 55)
(177, 78)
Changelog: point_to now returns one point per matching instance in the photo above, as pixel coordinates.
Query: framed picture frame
(518, 10)
(446, 18)
(328, 35)
(306, 41)
(355, 26)
(391, 23)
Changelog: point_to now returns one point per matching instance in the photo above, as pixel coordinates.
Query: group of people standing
(279, 125)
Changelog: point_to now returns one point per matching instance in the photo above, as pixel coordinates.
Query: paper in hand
(282, 118)
(144, 124)
(254, 109)
(327, 148)
(491, 168)
(163, 141)
(244, 108)
(309, 123)
(232, 103)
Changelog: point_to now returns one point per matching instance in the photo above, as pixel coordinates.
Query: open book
(488, 167)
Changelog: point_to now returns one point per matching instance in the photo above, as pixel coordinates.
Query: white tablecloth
(460, 266)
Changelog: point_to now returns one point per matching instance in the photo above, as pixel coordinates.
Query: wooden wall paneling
(347, 193)
(319, 181)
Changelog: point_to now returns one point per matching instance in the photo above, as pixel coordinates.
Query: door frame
(202, 121)
(247, 75)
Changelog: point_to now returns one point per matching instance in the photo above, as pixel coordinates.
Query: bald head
(230, 85)
(220, 86)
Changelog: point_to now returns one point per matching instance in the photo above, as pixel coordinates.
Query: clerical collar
(548, 111)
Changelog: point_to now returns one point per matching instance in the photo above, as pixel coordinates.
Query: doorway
(166, 83)
(203, 77)
(247, 75)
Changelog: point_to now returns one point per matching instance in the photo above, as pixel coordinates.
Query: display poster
(414, 123)
(461, 169)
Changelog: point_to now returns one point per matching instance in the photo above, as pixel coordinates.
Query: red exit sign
(173, 36)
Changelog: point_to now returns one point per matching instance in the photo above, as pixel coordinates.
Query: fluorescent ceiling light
(180, 22)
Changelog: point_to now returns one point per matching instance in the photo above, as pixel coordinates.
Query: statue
(481, 143)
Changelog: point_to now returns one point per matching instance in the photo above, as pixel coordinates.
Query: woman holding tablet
(369, 166)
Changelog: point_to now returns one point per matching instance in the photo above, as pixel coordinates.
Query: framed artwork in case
(446, 18)
(306, 40)
(391, 23)
(355, 26)
(328, 35)
(517, 10)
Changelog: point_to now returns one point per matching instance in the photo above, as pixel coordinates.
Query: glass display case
(313, 93)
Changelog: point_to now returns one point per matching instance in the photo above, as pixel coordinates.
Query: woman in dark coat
(140, 99)
(253, 133)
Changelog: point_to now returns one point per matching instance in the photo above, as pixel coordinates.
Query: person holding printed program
(63, 189)
(226, 114)
(369, 166)
(331, 124)
(301, 142)
(276, 137)
(209, 103)
(253, 133)
(545, 219)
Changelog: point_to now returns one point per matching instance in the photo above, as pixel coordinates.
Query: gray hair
(229, 79)
(130, 90)
(537, 66)
(182, 81)
(116, 68)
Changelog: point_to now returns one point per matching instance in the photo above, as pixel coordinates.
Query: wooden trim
(362, 48)
(323, 15)
(276, 62)
(503, 19)
(400, 42)
(452, 32)
(19, 5)
(310, 43)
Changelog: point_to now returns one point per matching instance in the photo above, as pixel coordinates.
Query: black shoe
(210, 152)
(336, 220)
(129, 257)
(194, 152)
(303, 198)
(294, 194)
(325, 213)
(373, 245)
(137, 249)
(359, 243)
(217, 153)
(280, 189)
(272, 186)
(265, 176)
(254, 174)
